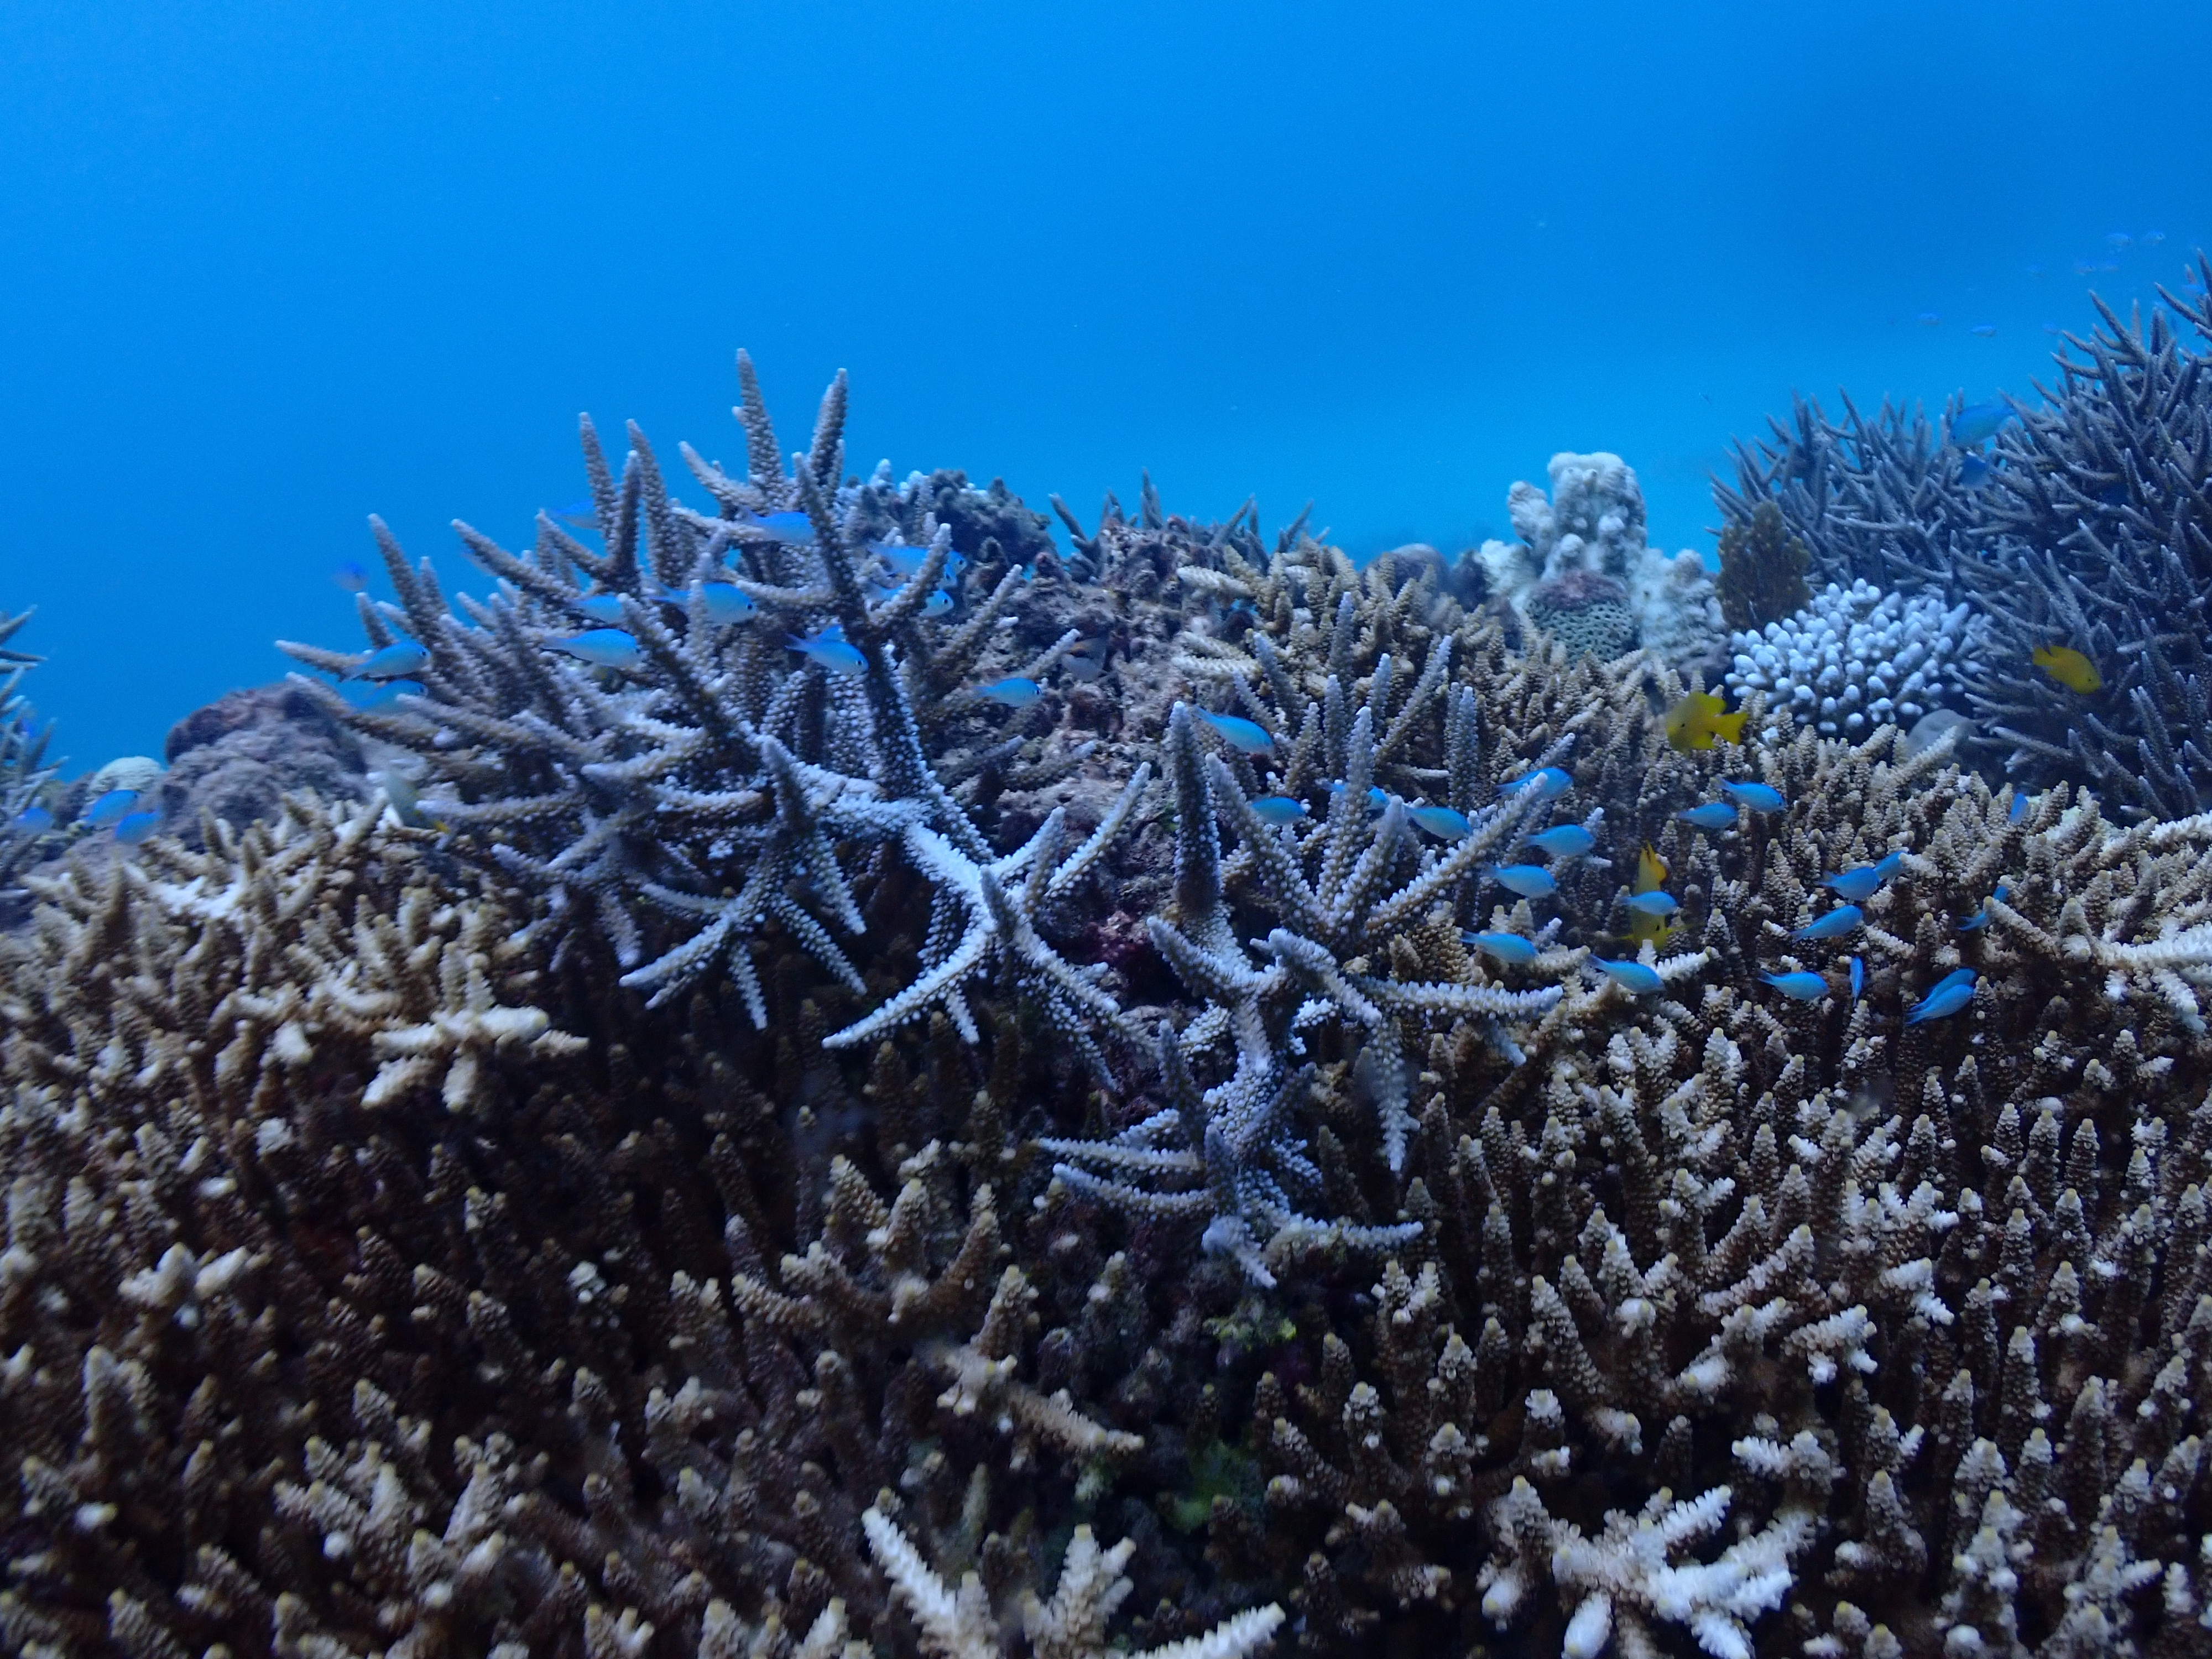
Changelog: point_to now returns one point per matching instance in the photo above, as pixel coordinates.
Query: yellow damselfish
(1695, 721)
(1650, 873)
(2067, 667)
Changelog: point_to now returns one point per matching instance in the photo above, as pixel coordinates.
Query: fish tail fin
(1730, 726)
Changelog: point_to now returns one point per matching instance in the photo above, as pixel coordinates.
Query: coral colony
(818, 1078)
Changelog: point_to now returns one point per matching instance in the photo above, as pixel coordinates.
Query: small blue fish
(111, 808)
(1801, 988)
(937, 604)
(134, 826)
(907, 560)
(602, 607)
(602, 648)
(368, 697)
(830, 649)
(1442, 822)
(1974, 472)
(1984, 331)
(2153, 238)
(350, 576)
(1843, 919)
(1277, 810)
(1505, 947)
(1016, 692)
(579, 515)
(1978, 423)
(1860, 884)
(1653, 903)
(726, 604)
(1756, 796)
(1981, 916)
(1929, 319)
(1950, 995)
(406, 805)
(1565, 841)
(1632, 977)
(1713, 815)
(2017, 810)
(791, 528)
(1376, 800)
(1529, 880)
(396, 661)
(34, 820)
(2117, 240)
(1858, 978)
(1246, 737)
(1548, 782)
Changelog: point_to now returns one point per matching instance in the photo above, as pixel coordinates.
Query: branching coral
(683, 785)
(1072, 1625)
(1856, 658)
(24, 771)
(2088, 526)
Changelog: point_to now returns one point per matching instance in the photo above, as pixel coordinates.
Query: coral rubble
(747, 1151)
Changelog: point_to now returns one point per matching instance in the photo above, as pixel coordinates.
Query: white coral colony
(1856, 658)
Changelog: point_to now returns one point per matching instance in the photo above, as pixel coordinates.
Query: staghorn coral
(25, 773)
(2092, 529)
(704, 790)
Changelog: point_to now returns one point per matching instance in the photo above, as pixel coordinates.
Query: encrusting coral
(1582, 573)
(382, 1276)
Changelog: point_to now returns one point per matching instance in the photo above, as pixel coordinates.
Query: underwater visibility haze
(1409, 851)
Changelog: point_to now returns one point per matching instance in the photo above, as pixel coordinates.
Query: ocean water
(266, 269)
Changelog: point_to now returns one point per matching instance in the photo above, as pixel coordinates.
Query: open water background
(266, 268)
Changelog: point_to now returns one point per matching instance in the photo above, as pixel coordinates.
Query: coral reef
(2087, 525)
(237, 758)
(1582, 573)
(383, 1274)
(1855, 658)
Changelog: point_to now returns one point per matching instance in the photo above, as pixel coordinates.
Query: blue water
(267, 268)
